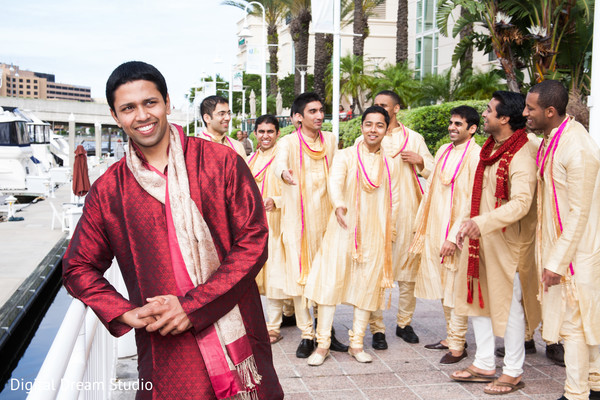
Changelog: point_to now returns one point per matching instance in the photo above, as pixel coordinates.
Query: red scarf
(505, 155)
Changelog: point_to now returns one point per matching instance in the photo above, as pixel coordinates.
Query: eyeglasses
(222, 114)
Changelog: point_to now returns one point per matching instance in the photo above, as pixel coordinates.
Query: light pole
(302, 69)
(245, 33)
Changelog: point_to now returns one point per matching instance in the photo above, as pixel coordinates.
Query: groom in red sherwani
(186, 223)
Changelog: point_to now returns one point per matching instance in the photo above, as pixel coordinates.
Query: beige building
(15, 82)
(428, 51)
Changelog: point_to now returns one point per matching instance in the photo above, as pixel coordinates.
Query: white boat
(16, 156)
(49, 149)
(30, 154)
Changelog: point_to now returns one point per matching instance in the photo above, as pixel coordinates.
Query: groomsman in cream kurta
(216, 116)
(270, 278)
(354, 263)
(302, 162)
(488, 285)
(412, 158)
(448, 194)
(568, 237)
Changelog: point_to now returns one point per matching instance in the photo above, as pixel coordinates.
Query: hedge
(429, 121)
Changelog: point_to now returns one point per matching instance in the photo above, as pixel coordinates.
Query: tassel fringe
(248, 372)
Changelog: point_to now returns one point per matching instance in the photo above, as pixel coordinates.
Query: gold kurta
(402, 138)
(442, 205)
(316, 205)
(500, 243)
(226, 141)
(270, 279)
(528, 276)
(337, 276)
(576, 176)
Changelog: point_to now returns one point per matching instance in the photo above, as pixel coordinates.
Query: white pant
(581, 360)
(303, 318)
(513, 338)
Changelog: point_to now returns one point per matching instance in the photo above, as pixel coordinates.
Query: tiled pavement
(403, 371)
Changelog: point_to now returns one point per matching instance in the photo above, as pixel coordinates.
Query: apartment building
(15, 82)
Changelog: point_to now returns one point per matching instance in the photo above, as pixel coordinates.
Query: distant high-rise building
(15, 82)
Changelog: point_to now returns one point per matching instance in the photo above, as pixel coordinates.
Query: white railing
(81, 364)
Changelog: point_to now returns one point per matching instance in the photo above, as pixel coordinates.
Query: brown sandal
(473, 376)
(274, 337)
(513, 387)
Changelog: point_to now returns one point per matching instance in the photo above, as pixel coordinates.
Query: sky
(82, 41)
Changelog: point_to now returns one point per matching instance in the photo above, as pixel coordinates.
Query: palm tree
(478, 85)
(323, 53)
(402, 32)
(301, 17)
(399, 78)
(274, 12)
(353, 82)
(363, 9)
(501, 37)
(466, 61)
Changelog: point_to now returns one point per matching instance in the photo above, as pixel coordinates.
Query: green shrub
(429, 121)
(432, 121)
(349, 131)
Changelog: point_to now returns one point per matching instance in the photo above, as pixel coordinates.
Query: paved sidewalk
(404, 371)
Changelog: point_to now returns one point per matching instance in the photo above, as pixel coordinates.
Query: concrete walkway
(403, 371)
(24, 244)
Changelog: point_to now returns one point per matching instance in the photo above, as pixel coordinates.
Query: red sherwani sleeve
(88, 257)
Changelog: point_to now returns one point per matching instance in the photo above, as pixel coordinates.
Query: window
(426, 52)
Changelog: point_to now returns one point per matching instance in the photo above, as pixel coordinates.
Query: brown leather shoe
(436, 346)
(450, 359)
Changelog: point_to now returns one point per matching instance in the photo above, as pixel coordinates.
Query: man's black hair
(552, 93)
(511, 105)
(376, 110)
(209, 104)
(293, 110)
(391, 94)
(469, 114)
(134, 71)
(302, 100)
(267, 119)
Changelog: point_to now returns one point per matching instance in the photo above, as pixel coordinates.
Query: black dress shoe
(379, 342)
(436, 346)
(450, 359)
(407, 334)
(288, 321)
(305, 348)
(335, 344)
(529, 349)
(563, 398)
(556, 353)
(594, 394)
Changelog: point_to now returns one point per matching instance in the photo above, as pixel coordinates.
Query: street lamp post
(263, 77)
